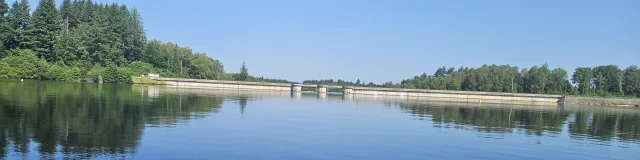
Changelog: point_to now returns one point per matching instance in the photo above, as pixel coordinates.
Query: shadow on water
(82, 121)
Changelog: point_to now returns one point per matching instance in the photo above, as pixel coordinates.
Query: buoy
(21, 80)
(480, 101)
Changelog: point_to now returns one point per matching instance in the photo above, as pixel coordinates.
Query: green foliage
(95, 74)
(491, 78)
(4, 27)
(608, 79)
(57, 72)
(138, 68)
(82, 34)
(45, 27)
(262, 79)
(505, 78)
(146, 80)
(632, 80)
(113, 74)
(330, 82)
(4, 8)
(202, 67)
(7, 71)
(18, 23)
(23, 65)
(557, 82)
(244, 73)
(582, 77)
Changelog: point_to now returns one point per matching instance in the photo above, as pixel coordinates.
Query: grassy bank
(609, 101)
(145, 80)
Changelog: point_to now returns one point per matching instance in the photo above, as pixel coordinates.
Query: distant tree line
(608, 80)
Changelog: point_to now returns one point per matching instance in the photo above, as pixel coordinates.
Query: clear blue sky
(391, 40)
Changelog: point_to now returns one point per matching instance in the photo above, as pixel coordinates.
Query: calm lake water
(40, 119)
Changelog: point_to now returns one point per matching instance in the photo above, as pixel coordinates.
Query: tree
(83, 34)
(557, 82)
(608, 78)
(441, 71)
(134, 37)
(358, 82)
(45, 28)
(204, 67)
(24, 63)
(65, 14)
(583, 77)
(632, 80)
(18, 23)
(4, 27)
(244, 73)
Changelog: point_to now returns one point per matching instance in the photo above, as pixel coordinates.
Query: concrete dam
(374, 92)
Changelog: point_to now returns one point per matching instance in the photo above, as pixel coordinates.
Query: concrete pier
(322, 89)
(296, 87)
(349, 92)
(347, 89)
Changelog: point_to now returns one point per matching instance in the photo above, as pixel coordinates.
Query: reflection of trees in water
(87, 120)
(242, 100)
(597, 125)
(606, 126)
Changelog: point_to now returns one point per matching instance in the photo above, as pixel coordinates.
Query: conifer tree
(45, 28)
(18, 23)
(4, 26)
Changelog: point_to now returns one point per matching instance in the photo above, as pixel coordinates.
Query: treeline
(87, 41)
(608, 80)
(494, 78)
(243, 75)
(340, 82)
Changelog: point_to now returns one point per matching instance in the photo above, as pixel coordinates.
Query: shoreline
(402, 93)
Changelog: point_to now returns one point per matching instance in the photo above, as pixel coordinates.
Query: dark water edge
(45, 119)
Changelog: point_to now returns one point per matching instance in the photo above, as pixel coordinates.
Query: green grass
(145, 80)
(618, 103)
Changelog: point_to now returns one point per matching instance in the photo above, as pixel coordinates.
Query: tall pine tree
(45, 28)
(134, 37)
(4, 26)
(18, 21)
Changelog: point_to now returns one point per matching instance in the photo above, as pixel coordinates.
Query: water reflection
(88, 120)
(586, 122)
(79, 121)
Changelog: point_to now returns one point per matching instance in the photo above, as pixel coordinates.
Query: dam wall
(374, 92)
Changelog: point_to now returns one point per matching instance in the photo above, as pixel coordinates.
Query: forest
(87, 41)
(603, 81)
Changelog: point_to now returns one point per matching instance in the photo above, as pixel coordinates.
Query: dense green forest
(607, 80)
(87, 41)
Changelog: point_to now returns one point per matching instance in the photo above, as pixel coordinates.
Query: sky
(391, 40)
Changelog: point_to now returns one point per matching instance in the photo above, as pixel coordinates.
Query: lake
(45, 119)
